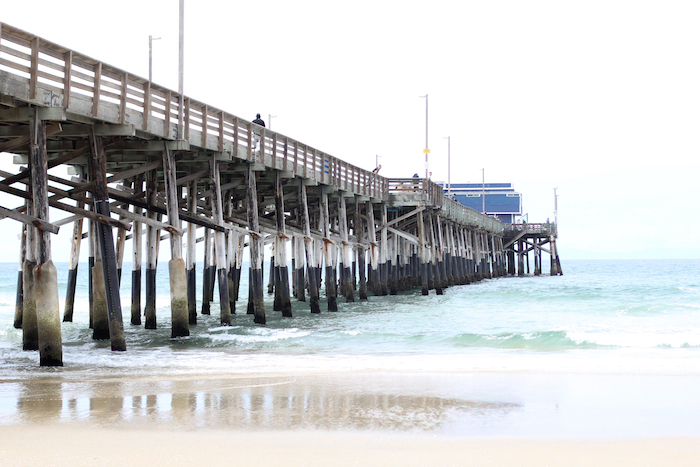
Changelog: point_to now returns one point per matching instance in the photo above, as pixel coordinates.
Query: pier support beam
(73, 267)
(206, 273)
(98, 163)
(359, 234)
(30, 333)
(345, 251)
(383, 254)
(311, 258)
(137, 258)
(373, 250)
(45, 278)
(191, 258)
(19, 301)
(423, 255)
(330, 253)
(281, 269)
(220, 237)
(256, 248)
(152, 239)
(176, 266)
(439, 249)
(555, 267)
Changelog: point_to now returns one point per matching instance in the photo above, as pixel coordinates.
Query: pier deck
(156, 160)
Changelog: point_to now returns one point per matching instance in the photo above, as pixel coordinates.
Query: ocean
(599, 320)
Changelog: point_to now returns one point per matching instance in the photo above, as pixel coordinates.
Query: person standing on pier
(261, 122)
(377, 169)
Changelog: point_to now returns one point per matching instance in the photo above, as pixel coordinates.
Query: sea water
(602, 316)
(601, 319)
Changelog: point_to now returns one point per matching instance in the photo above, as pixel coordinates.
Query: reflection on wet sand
(259, 403)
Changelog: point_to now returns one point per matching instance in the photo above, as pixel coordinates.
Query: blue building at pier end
(501, 200)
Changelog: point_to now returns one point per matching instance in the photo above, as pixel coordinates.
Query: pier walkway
(158, 165)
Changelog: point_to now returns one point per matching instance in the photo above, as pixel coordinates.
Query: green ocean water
(599, 316)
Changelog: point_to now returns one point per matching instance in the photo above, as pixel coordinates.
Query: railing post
(67, 74)
(34, 71)
(205, 111)
(122, 98)
(96, 91)
(168, 111)
(187, 118)
(146, 104)
(221, 131)
(235, 136)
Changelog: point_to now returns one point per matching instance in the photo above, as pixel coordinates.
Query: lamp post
(426, 150)
(180, 72)
(483, 193)
(449, 186)
(150, 56)
(269, 120)
(555, 207)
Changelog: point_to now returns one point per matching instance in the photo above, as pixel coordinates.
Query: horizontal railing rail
(544, 228)
(58, 76)
(432, 194)
(53, 76)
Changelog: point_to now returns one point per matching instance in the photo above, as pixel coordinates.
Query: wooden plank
(193, 177)
(172, 205)
(205, 124)
(96, 93)
(146, 104)
(132, 172)
(122, 98)
(67, 76)
(24, 140)
(29, 220)
(220, 241)
(34, 72)
(72, 209)
(167, 111)
(187, 119)
(400, 218)
(24, 114)
(221, 130)
(256, 248)
(40, 194)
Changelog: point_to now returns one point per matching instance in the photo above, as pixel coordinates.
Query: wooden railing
(544, 228)
(432, 194)
(49, 75)
(40, 72)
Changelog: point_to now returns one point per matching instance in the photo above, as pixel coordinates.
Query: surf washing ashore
(599, 365)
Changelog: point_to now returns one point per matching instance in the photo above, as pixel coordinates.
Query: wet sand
(363, 418)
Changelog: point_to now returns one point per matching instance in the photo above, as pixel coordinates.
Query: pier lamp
(269, 120)
(483, 193)
(426, 151)
(150, 56)
(181, 69)
(449, 186)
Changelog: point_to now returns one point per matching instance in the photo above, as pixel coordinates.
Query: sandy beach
(362, 418)
(83, 446)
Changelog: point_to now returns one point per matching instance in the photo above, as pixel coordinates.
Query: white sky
(597, 98)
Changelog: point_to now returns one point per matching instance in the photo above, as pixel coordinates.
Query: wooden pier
(149, 164)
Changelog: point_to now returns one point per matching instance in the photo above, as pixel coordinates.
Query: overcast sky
(599, 98)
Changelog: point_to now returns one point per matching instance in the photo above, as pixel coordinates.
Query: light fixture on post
(150, 56)
(426, 150)
(449, 187)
